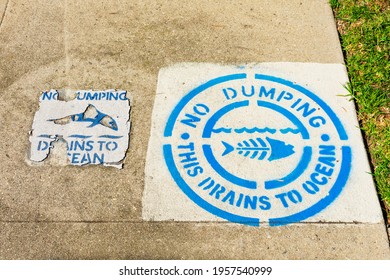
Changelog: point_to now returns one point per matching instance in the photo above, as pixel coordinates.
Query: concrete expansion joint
(181, 222)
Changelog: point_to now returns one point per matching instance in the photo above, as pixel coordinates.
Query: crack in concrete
(5, 10)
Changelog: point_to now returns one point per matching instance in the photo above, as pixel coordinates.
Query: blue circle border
(334, 192)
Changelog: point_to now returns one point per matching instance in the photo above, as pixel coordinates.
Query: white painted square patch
(272, 143)
(94, 125)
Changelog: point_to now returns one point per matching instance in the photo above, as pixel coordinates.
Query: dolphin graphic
(92, 115)
(258, 149)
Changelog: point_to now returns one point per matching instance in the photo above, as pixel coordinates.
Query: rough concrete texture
(95, 212)
(191, 241)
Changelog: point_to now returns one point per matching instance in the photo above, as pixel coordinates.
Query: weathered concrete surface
(58, 212)
(190, 241)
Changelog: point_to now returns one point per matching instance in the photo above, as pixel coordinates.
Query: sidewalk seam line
(5, 10)
(176, 222)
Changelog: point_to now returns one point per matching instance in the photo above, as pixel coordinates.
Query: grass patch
(364, 28)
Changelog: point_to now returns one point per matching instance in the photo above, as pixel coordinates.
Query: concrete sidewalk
(96, 212)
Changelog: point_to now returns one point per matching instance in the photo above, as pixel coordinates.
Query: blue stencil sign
(257, 148)
(93, 124)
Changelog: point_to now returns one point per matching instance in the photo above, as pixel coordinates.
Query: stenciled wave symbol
(110, 136)
(222, 129)
(46, 136)
(255, 129)
(79, 136)
(290, 130)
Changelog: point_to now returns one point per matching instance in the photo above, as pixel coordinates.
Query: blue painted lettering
(193, 168)
(86, 158)
(190, 146)
(89, 145)
(327, 150)
(296, 103)
(195, 171)
(327, 160)
(49, 95)
(264, 203)
(317, 121)
(217, 191)
(248, 94)
(310, 187)
(325, 170)
(108, 145)
(203, 183)
(229, 197)
(191, 119)
(43, 145)
(101, 95)
(282, 198)
(188, 157)
(111, 146)
(294, 196)
(75, 158)
(284, 95)
(239, 200)
(250, 201)
(306, 110)
(235, 199)
(269, 94)
(226, 93)
(201, 109)
(81, 145)
(98, 159)
(314, 178)
(322, 171)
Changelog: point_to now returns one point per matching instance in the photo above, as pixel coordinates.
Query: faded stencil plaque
(268, 143)
(93, 125)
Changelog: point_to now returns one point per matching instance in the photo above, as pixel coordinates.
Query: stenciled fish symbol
(258, 149)
(92, 115)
